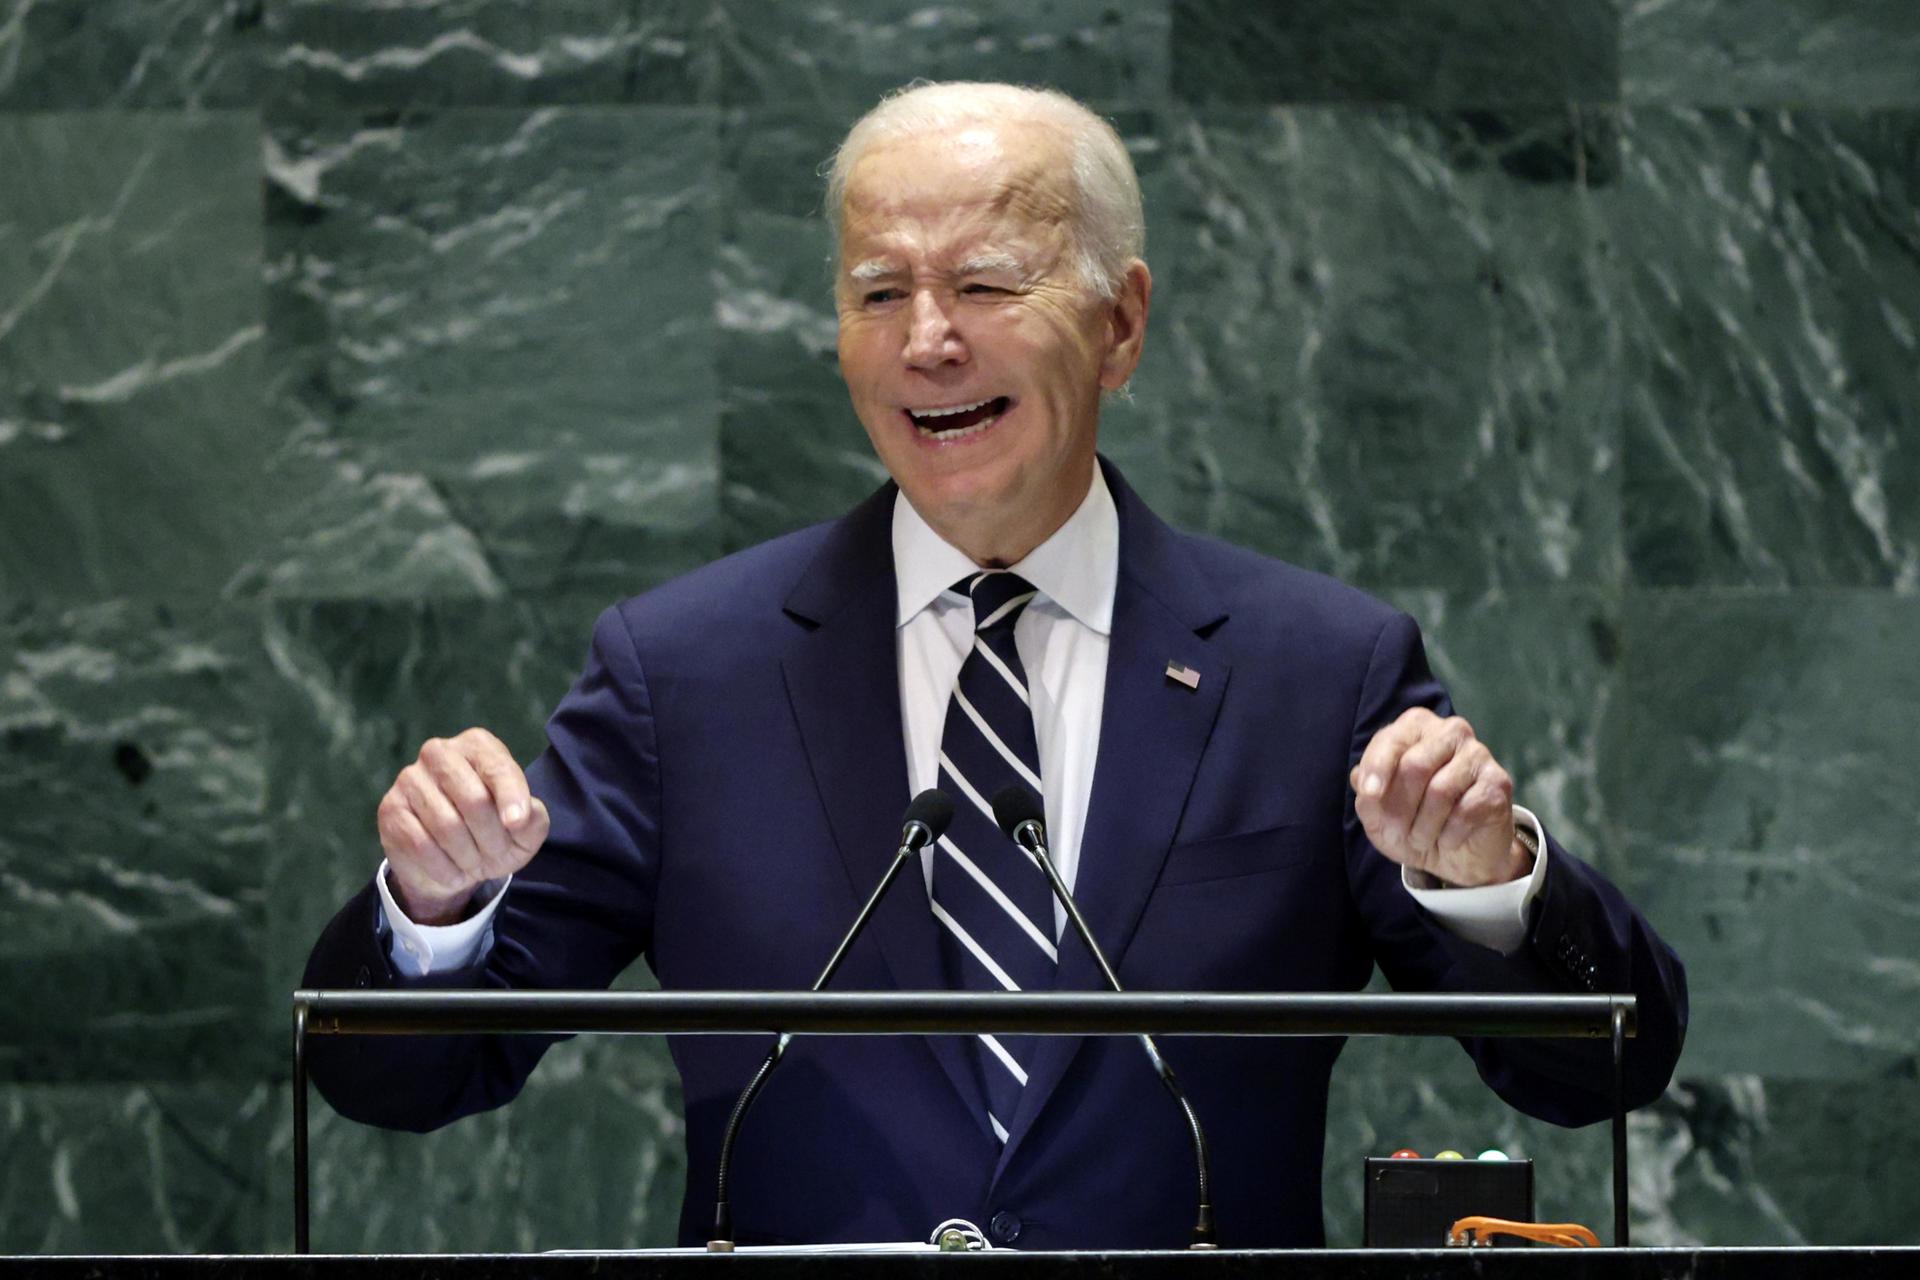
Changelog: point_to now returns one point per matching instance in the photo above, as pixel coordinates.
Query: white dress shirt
(1062, 638)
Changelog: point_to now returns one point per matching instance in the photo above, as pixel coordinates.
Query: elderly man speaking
(1250, 779)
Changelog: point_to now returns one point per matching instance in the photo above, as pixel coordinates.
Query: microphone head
(1015, 804)
(932, 810)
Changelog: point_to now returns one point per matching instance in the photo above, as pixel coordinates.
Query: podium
(1317, 1264)
(774, 1013)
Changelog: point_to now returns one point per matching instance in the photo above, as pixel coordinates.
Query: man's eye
(876, 296)
(978, 288)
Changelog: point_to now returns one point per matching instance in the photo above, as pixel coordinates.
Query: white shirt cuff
(418, 949)
(1493, 915)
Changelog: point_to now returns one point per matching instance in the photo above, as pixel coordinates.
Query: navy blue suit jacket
(726, 781)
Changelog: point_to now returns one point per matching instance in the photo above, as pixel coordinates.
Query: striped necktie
(990, 899)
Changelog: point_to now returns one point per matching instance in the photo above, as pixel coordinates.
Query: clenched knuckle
(430, 802)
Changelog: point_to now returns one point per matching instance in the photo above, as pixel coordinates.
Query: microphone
(1020, 816)
(926, 819)
(1018, 812)
(924, 822)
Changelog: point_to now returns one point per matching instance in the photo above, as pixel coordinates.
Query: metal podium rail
(395, 1013)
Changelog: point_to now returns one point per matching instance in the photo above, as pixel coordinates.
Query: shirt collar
(1076, 567)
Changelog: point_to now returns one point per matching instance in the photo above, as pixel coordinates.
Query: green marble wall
(353, 354)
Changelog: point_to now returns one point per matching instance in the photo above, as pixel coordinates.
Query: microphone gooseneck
(1018, 811)
(924, 822)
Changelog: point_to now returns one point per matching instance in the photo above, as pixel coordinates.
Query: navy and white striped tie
(991, 900)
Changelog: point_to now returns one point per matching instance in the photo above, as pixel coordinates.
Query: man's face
(974, 354)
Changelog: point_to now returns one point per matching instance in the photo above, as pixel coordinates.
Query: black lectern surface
(1363, 1264)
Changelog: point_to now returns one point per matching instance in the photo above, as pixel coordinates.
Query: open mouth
(958, 421)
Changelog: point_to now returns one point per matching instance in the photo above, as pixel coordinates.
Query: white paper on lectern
(904, 1246)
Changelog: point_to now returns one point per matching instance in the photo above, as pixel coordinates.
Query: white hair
(1109, 227)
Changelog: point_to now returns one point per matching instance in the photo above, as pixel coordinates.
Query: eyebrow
(995, 261)
(880, 268)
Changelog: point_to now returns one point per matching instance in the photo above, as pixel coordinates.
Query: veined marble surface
(131, 335)
(1772, 334)
(1429, 53)
(495, 325)
(133, 788)
(354, 354)
(1777, 53)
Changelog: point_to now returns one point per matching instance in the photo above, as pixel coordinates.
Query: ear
(1127, 326)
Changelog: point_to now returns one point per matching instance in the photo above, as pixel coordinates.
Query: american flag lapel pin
(1181, 673)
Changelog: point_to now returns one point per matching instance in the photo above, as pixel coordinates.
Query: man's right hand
(458, 816)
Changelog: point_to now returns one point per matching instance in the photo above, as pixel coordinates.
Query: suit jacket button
(1005, 1227)
(364, 977)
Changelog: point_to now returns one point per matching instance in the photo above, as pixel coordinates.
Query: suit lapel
(842, 683)
(1153, 730)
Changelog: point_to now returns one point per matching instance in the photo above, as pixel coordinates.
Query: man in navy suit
(1250, 777)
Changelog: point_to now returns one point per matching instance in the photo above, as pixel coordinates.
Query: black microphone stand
(920, 832)
(1030, 834)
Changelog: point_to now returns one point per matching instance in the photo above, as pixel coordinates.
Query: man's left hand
(1432, 797)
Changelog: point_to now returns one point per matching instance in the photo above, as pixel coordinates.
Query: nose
(932, 339)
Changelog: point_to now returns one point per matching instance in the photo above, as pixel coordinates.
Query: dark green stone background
(353, 355)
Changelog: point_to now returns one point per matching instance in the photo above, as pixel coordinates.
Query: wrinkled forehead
(1011, 178)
